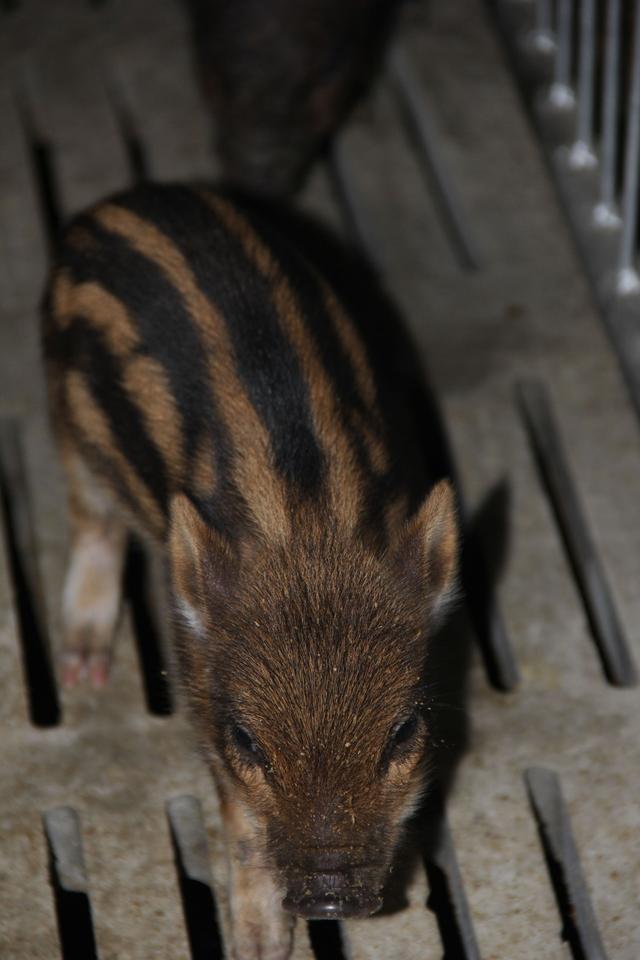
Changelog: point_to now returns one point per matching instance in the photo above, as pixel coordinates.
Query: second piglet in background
(280, 76)
(209, 388)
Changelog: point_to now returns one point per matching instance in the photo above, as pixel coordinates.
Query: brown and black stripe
(191, 347)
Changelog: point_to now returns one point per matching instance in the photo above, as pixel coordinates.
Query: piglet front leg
(261, 929)
(93, 585)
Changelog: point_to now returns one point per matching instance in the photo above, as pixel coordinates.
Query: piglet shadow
(489, 528)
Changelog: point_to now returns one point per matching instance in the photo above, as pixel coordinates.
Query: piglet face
(306, 671)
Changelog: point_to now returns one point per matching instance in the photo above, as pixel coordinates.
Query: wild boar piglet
(208, 389)
(279, 77)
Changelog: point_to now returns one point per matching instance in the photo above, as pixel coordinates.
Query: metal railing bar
(548, 449)
(606, 211)
(325, 937)
(43, 163)
(189, 839)
(353, 214)
(421, 129)
(542, 37)
(561, 93)
(599, 248)
(15, 509)
(447, 896)
(628, 279)
(70, 885)
(580, 928)
(134, 147)
(151, 655)
(582, 152)
(543, 17)
(491, 633)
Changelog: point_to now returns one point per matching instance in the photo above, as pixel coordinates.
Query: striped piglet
(208, 388)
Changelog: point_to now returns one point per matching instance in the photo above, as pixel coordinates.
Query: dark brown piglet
(280, 76)
(208, 387)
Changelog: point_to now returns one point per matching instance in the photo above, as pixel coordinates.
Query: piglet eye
(403, 733)
(245, 744)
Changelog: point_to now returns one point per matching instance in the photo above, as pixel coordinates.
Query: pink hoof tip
(98, 670)
(71, 670)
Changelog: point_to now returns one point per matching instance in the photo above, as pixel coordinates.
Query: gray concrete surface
(69, 79)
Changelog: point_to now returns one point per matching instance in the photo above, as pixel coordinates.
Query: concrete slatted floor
(93, 95)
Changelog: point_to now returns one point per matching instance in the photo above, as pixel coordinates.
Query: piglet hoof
(273, 940)
(79, 667)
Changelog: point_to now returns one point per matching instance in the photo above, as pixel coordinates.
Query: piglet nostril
(332, 906)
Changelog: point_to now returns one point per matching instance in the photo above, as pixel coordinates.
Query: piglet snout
(325, 896)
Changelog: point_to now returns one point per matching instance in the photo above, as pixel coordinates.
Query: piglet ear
(203, 564)
(428, 546)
